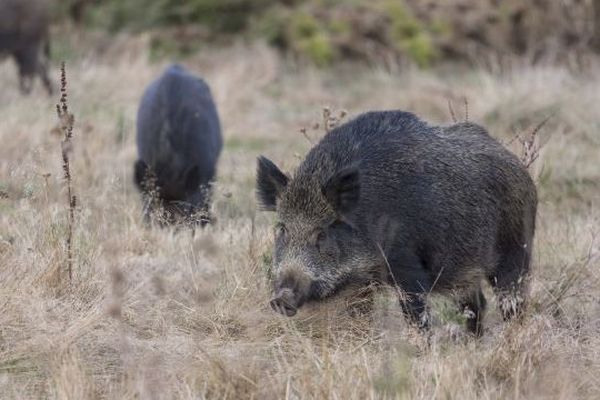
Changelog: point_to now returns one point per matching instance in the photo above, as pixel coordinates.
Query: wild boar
(387, 197)
(179, 142)
(24, 35)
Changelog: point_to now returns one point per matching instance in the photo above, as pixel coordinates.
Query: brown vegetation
(152, 313)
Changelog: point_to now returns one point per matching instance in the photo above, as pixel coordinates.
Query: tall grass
(155, 313)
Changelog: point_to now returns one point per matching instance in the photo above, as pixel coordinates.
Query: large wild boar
(24, 35)
(387, 197)
(179, 142)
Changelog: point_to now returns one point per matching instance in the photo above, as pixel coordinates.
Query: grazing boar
(387, 197)
(24, 35)
(179, 142)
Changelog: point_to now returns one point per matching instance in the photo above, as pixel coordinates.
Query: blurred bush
(329, 31)
(323, 32)
(222, 16)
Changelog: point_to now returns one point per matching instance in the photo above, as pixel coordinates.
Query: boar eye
(280, 230)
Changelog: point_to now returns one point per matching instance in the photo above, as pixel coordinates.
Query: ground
(156, 314)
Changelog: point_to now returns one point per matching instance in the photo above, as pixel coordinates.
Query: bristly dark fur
(447, 206)
(179, 142)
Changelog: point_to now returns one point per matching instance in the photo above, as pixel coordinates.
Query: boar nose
(283, 302)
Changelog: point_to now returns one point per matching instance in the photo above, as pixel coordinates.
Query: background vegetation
(424, 32)
(161, 314)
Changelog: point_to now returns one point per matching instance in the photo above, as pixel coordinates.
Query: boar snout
(284, 302)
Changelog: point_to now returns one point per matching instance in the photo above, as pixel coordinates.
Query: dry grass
(154, 314)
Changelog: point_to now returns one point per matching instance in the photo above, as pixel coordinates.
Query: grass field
(156, 314)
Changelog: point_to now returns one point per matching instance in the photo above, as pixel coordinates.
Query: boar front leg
(409, 275)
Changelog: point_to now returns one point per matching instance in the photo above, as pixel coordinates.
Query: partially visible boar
(24, 35)
(179, 142)
(387, 197)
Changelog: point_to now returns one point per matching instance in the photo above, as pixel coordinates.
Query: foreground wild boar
(387, 197)
(179, 142)
(24, 34)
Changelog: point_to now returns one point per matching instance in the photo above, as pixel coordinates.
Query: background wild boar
(388, 197)
(179, 142)
(24, 34)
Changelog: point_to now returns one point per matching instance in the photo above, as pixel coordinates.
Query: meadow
(154, 313)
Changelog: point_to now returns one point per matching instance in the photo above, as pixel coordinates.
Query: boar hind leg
(510, 282)
(27, 63)
(473, 308)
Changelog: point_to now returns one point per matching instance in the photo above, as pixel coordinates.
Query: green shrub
(304, 26)
(409, 35)
(420, 49)
(308, 37)
(318, 49)
(272, 26)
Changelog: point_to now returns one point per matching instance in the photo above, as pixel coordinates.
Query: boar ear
(140, 170)
(270, 182)
(342, 190)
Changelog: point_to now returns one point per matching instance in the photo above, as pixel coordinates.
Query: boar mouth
(284, 302)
